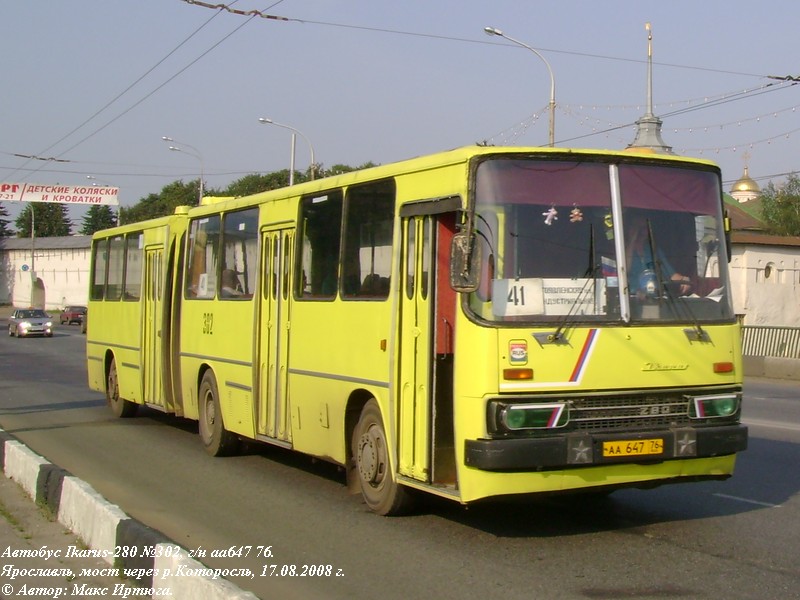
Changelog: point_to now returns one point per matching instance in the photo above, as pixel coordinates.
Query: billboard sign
(59, 194)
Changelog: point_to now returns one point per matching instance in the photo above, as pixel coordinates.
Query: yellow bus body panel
(218, 335)
(338, 349)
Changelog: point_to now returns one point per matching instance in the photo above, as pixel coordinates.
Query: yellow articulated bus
(479, 323)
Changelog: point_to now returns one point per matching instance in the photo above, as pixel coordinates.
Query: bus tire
(379, 488)
(122, 409)
(217, 440)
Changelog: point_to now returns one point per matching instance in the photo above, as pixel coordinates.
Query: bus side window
(202, 257)
(239, 254)
(134, 244)
(99, 265)
(321, 225)
(116, 268)
(369, 225)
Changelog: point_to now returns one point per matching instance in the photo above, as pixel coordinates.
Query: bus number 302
(208, 323)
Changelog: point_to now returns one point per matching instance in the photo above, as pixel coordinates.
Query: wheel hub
(211, 414)
(369, 458)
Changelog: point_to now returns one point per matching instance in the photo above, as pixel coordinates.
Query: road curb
(104, 527)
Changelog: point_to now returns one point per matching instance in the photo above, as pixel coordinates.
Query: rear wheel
(121, 408)
(380, 490)
(11, 331)
(217, 440)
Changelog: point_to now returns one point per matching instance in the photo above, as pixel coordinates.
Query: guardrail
(778, 342)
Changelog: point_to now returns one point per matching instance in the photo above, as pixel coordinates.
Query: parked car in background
(30, 321)
(73, 314)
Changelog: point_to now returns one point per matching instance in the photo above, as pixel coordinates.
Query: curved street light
(192, 152)
(313, 167)
(497, 32)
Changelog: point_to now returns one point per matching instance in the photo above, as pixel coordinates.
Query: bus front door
(416, 341)
(152, 372)
(274, 420)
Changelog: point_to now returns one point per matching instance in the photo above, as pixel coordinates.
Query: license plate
(633, 448)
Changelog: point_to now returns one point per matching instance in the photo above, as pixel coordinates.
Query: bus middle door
(273, 418)
(152, 364)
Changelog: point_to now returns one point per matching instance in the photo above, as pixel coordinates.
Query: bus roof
(421, 163)
(441, 159)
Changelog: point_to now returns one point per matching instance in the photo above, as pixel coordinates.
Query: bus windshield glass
(591, 241)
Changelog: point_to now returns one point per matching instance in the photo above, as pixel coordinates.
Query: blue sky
(97, 83)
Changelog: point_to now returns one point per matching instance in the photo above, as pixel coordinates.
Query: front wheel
(217, 440)
(380, 490)
(121, 408)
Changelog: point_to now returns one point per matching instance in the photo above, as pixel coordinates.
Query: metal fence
(782, 342)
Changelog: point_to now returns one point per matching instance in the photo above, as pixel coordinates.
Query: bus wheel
(380, 490)
(217, 440)
(121, 408)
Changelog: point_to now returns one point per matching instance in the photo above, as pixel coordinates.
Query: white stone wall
(766, 283)
(62, 276)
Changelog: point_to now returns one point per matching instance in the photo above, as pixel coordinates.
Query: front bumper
(583, 449)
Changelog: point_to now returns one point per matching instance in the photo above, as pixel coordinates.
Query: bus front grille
(628, 412)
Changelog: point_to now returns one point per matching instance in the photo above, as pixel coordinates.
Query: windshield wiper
(559, 335)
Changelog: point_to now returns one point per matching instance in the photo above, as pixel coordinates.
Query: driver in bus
(642, 269)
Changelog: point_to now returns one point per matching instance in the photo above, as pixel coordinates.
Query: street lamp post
(294, 131)
(191, 152)
(497, 32)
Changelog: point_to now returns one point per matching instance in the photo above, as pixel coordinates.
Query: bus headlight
(717, 405)
(514, 417)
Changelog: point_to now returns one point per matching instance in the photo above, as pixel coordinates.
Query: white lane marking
(747, 500)
(772, 424)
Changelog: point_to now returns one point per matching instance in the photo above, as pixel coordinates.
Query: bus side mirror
(727, 223)
(465, 261)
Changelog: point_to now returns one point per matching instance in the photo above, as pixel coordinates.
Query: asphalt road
(734, 539)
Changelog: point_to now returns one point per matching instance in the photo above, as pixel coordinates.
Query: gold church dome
(745, 184)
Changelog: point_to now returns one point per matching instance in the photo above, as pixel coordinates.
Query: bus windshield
(593, 241)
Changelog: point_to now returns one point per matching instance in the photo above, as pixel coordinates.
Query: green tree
(4, 230)
(255, 183)
(49, 220)
(179, 193)
(339, 169)
(98, 217)
(780, 206)
(164, 203)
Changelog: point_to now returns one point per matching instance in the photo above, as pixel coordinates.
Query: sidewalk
(26, 529)
(91, 546)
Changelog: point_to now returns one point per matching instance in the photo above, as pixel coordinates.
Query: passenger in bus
(375, 286)
(231, 287)
(642, 269)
